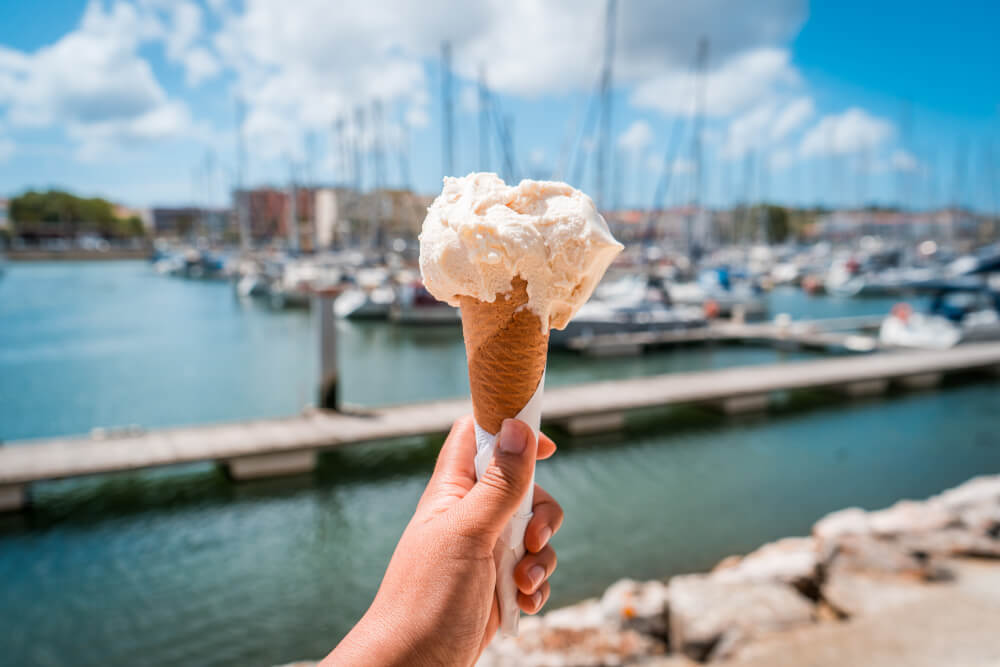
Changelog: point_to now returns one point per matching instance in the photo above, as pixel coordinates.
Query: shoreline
(75, 255)
(917, 583)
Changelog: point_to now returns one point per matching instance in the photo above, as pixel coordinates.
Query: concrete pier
(290, 445)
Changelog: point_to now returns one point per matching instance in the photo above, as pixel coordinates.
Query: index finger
(546, 447)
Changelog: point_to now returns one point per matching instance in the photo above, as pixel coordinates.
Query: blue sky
(831, 102)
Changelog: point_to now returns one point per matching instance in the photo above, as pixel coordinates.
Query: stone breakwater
(855, 564)
(917, 583)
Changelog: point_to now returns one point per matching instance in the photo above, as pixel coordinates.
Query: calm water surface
(179, 566)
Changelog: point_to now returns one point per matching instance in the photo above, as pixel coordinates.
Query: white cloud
(218, 6)
(792, 117)
(200, 65)
(683, 166)
(181, 33)
(679, 166)
(637, 137)
(748, 78)
(328, 61)
(91, 74)
(710, 136)
(537, 48)
(852, 131)
(782, 158)
(765, 125)
(417, 117)
(93, 83)
(308, 66)
(902, 160)
(748, 131)
(109, 138)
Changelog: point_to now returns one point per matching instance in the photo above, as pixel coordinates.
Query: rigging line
(673, 148)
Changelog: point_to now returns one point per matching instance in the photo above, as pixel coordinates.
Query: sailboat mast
(242, 196)
(603, 145)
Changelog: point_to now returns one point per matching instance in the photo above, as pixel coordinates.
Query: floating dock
(273, 447)
(843, 334)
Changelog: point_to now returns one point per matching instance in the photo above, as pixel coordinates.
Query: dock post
(263, 466)
(863, 388)
(13, 497)
(591, 424)
(741, 405)
(326, 327)
(921, 381)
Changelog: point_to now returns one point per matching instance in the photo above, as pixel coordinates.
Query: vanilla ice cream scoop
(479, 234)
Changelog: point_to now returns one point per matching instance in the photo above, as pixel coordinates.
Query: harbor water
(180, 566)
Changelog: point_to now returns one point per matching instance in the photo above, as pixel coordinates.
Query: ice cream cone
(506, 347)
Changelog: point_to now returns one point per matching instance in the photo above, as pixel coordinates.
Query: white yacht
(415, 305)
(371, 299)
(957, 315)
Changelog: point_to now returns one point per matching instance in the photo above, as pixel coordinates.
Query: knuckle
(504, 478)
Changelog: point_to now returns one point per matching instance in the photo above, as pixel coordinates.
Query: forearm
(377, 640)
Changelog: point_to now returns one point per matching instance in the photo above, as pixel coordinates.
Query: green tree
(55, 210)
(776, 219)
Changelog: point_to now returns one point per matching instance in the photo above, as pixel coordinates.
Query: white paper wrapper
(510, 547)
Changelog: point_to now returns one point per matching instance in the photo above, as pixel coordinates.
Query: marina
(766, 270)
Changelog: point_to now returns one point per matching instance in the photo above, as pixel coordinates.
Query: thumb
(487, 508)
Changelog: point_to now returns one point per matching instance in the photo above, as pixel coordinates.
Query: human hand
(437, 603)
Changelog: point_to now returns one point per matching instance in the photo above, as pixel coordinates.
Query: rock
(709, 619)
(978, 491)
(825, 612)
(592, 632)
(954, 542)
(982, 519)
(865, 574)
(639, 606)
(670, 661)
(879, 556)
(792, 561)
(853, 593)
(826, 531)
(586, 614)
(544, 646)
(909, 517)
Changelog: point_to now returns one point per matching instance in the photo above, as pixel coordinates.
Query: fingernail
(545, 535)
(536, 599)
(536, 575)
(513, 437)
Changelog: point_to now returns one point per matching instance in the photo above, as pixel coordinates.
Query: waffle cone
(506, 349)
